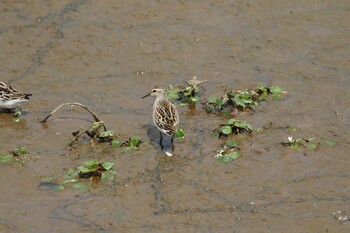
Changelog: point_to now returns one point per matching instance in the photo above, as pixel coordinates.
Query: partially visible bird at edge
(10, 98)
(165, 115)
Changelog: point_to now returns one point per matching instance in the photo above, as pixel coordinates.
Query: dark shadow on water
(154, 137)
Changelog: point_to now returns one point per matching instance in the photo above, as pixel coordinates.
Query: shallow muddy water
(108, 54)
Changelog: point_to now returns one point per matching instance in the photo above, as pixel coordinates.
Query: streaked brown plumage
(10, 98)
(165, 115)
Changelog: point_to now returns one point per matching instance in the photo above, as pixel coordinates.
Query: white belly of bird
(9, 104)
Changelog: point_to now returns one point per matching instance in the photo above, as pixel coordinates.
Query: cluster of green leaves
(76, 177)
(242, 99)
(94, 132)
(228, 152)
(5, 158)
(131, 144)
(215, 103)
(184, 95)
(17, 115)
(20, 151)
(187, 94)
(19, 154)
(310, 143)
(180, 134)
(106, 136)
(234, 126)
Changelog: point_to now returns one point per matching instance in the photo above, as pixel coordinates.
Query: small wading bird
(165, 116)
(10, 98)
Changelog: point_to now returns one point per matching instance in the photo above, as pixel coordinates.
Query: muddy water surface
(108, 54)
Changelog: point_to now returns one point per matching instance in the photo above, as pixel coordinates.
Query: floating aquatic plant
(19, 154)
(233, 126)
(5, 158)
(228, 157)
(94, 132)
(310, 143)
(93, 170)
(18, 113)
(228, 152)
(180, 134)
(241, 100)
(131, 144)
(187, 94)
(20, 151)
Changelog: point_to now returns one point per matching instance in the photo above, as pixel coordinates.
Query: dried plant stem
(101, 123)
(96, 118)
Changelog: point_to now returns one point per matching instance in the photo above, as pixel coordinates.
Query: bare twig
(100, 123)
(96, 118)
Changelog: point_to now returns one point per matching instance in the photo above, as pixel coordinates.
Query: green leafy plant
(187, 94)
(180, 133)
(131, 144)
(229, 157)
(76, 177)
(300, 143)
(19, 155)
(19, 151)
(240, 100)
(232, 144)
(234, 126)
(310, 143)
(17, 115)
(327, 142)
(96, 131)
(214, 103)
(115, 143)
(94, 168)
(276, 92)
(106, 136)
(5, 158)
(228, 152)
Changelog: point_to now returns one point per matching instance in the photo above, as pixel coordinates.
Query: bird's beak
(146, 95)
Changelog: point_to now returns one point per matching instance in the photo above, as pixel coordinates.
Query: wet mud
(108, 54)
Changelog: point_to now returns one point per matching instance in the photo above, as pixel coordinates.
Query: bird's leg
(172, 143)
(172, 139)
(161, 140)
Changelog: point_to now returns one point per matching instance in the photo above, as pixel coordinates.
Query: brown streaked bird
(10, 98)
(165, 115)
